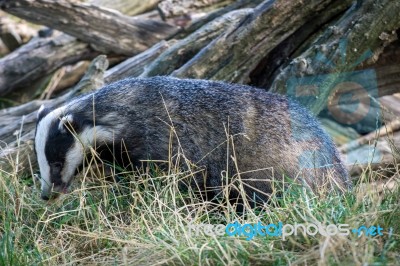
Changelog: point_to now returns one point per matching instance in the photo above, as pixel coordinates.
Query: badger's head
(58, 148)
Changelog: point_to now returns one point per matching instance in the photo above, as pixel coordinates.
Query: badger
(236, 133)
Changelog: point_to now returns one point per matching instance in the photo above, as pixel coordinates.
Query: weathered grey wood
(388, 79)
(368, 26)
(92, 79)
(134, 66)
(235, 54)
(385, 130)
(379, 153)
(127, 7)
(105, 29)
(270, 66)
(390, 107)
(39, 58)
(198, 23)
(183, 51)
(359, 104)
(14, 34)
(8, 35)
(3, 49)
(42, 58)
(375, 150)
(71, 76)
(17, 124)
(173, 8)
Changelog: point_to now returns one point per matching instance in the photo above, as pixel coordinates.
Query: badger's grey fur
(271, 135)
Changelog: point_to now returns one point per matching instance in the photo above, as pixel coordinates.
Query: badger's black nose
(44, 197)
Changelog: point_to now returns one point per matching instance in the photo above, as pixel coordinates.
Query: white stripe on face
(41, 137)
(73, 159)
(75, 154)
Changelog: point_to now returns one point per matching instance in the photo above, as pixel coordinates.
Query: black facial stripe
(60, 142)
(55, 175)
(56, 148)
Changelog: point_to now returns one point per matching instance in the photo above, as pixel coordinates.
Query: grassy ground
(144, 220)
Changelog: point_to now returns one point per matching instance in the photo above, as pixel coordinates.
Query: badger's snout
(45, 189)
(52, 190)
(55, 179)
(52, 186)
(44, 196)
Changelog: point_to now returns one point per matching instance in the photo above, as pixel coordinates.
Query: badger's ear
(69, 123)
(42, 112)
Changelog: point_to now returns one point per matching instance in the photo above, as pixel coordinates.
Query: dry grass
(144, 220)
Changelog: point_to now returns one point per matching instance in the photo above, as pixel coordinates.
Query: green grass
(144, 219)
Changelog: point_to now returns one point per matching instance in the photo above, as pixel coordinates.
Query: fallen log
(235, 54)
(38, 58)
(174, 8)
(184, 50)
(376, 150)
(104, 29)
(367, 27)
(132, 67)
(21, 70)
(127, 7)
(3, 49)
(14, 34)
(387, 129)
(135, 66)
(200, 22)
(380, 155)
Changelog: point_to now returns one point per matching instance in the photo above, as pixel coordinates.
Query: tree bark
(174, 8)
(379, 154)
(368, 26)
(385, 130)
(127, 7)
(106, 30)
(235, 54)
(39, 58)
(14, 34)
(185, 49)
(136, 65)
(197, 24)
(17, 137)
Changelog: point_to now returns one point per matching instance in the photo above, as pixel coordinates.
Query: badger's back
(268, 135)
